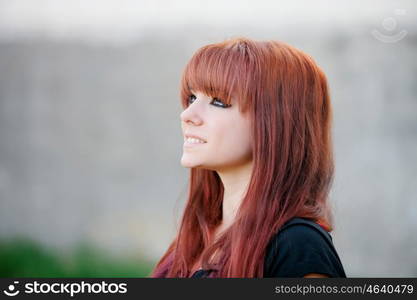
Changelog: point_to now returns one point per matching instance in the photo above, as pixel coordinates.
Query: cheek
(243, 139)
(243, 143)
(229, 138)
(237, 140)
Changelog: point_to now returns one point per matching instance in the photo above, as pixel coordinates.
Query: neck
(235, 182)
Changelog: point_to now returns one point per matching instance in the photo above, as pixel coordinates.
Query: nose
(191, 115)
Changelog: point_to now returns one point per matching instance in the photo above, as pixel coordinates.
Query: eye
(219, 103)
(191, 99)
(216, 102)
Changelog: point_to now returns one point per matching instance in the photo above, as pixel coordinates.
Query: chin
(191, 164)
(188, 164)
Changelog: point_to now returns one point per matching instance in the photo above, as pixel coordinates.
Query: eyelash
(214, 99)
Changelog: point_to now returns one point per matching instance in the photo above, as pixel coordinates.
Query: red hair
(286, 96)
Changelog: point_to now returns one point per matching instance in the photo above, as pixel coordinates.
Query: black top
(300, 247)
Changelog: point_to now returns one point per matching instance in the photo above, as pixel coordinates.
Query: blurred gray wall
(90, 138)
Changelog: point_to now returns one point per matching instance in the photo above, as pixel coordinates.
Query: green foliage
(25, 258)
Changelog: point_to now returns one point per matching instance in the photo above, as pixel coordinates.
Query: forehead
(218, 72)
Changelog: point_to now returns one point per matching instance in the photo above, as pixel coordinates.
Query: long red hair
(286, 96)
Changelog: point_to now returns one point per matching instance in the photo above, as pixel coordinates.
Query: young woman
(257, 139)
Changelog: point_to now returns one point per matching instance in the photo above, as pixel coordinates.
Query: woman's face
(224, 130)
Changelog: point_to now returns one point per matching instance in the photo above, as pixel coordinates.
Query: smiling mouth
(192, 139)
(192, 142)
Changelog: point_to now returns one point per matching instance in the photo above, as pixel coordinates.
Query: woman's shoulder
(300, 247)
(300, 234)
(301, 228)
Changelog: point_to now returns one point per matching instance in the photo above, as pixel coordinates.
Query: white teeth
(194, 141)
